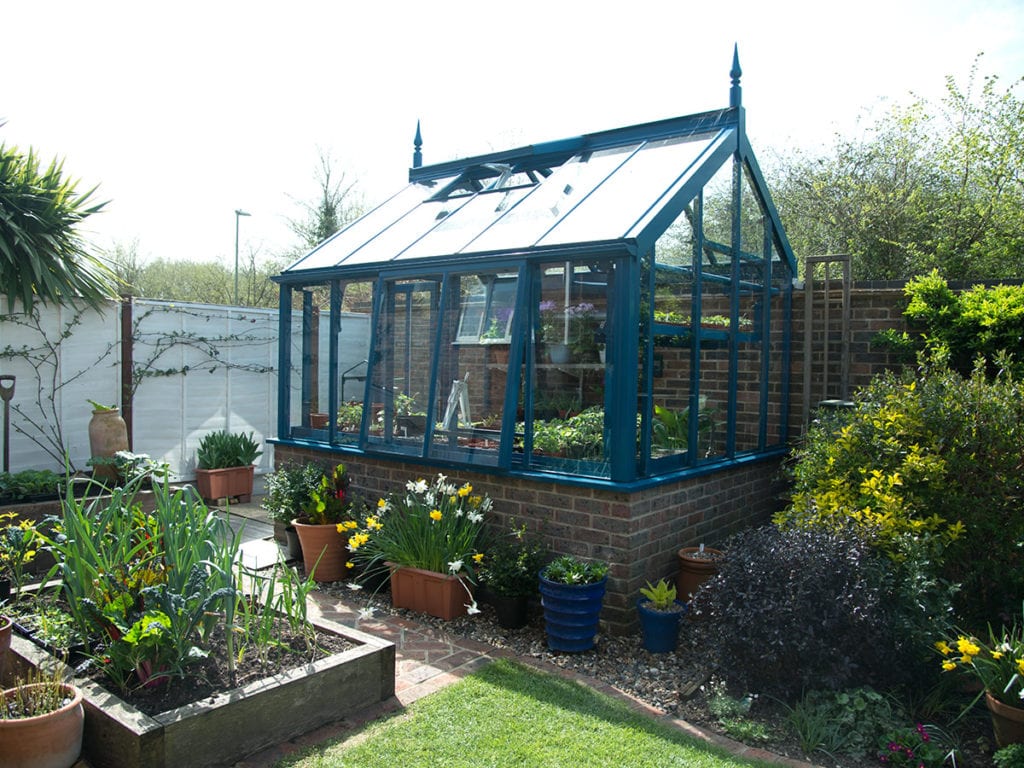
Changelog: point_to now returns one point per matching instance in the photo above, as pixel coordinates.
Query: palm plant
(42, 257)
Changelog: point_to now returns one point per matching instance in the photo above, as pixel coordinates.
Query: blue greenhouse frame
(593, 212)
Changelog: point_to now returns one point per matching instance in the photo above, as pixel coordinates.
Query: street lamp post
(238, 214)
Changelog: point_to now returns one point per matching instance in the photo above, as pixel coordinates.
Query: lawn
(508, 714)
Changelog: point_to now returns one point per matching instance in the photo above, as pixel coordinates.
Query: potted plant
(508, 570)
(997, 664)
(425, 537)
(659, 616)
(696, 565)
(41, 723)
(224, 466)
(572, 593)
(17, 549)
(325, 519)
(288, 490)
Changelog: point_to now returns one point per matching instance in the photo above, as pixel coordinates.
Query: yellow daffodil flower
(435, 515)
(478, 558)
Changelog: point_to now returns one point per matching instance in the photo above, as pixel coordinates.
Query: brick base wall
(638, 534)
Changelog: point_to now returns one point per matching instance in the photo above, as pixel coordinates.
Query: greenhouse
(612, 308)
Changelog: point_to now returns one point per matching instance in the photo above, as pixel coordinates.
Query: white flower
(441, 478)
(353, 586)
(429, 498)
(475, 517)
(366, 613)
(455, 566)
(471, 609)
(448, 490)
(486, 504)
(420, 486)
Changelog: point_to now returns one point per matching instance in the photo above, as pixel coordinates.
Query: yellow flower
(997, 654)
(351, 525)
(943, 647)
(357, 540)
(967, 647)
(949, 666)
(382, 503)
(340, 527)
(349, 564)
(373, 523)
(478, 558)
(465, 490)
(435, 515)
(1020, 666)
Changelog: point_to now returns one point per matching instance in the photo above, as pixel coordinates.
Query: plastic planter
(571, 613)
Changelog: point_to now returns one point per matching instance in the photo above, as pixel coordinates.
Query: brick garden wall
(637, 533)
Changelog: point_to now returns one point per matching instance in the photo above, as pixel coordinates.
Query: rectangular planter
(221, 730)
(229, 483)
(435, 594)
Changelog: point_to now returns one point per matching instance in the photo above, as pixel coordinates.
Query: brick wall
(638, 533)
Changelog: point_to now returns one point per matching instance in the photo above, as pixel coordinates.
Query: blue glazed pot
(660, 628)
(571, 613)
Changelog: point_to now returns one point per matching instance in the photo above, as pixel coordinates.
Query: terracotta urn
(108, 434)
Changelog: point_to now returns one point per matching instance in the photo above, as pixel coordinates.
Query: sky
(182, 113)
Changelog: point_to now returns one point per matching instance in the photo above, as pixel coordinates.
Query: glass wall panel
(473, 366)
(568, 395)
(353, 351)
(400, 372)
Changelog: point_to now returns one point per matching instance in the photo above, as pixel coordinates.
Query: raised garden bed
(224, 728)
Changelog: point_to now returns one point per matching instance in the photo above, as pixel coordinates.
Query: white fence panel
(198, 369)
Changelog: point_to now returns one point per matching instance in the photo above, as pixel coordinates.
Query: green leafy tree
(927, 185)
(42, 256)
(338, 202)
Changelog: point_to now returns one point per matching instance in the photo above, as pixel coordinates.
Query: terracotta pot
(229, 483)
(435, 594)
(1007, 721)
(318, 420)
(108, 434)
(695, 570)
(323, 551)
(53, 740)
(6, 627)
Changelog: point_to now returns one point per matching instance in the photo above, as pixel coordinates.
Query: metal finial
(735, 92)
(417, 145)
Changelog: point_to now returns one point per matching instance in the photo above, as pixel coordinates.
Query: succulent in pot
(660, 612)
(224, 465)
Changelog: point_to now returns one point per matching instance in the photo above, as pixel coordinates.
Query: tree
(337, 204)
(927, 186)
(42, 257)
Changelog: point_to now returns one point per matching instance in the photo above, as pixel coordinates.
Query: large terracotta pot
(53, 740)
(323, 551)
(108, 434)
(229, 483)
(435, 594)
(695, 567)
(1007, 721)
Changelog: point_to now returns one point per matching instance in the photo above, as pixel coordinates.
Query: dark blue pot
(571, 613)
(660, 628)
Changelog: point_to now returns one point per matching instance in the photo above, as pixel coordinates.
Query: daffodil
(436, 515)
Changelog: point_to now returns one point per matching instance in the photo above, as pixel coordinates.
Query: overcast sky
(183, 112)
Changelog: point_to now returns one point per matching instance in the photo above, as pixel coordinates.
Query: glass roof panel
(612, 209)
(528, 222)
(405, 232)
(336, 250)
(453, 233)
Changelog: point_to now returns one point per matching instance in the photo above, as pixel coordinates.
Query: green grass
(511, 715)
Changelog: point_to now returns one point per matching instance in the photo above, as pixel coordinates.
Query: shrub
(926, 466)
(289, 489)
(798, 609)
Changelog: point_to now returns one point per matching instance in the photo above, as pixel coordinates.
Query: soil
(678, 683)
(209, 677)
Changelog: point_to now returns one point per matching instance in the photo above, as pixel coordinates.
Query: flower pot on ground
(1007, 721)
(508, 569)
(572, 593)
(41, 724)
(430, 527)
(108, 434)
(696, 565)
(224, 466)
(446, 596)
(659, 617)
(326, 519)
(288, 490)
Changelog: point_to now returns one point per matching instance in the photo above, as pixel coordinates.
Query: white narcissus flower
(366, 613)
(353, 586)
(475, 517)
(471, 608)
(420, 486)
(455, 566)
